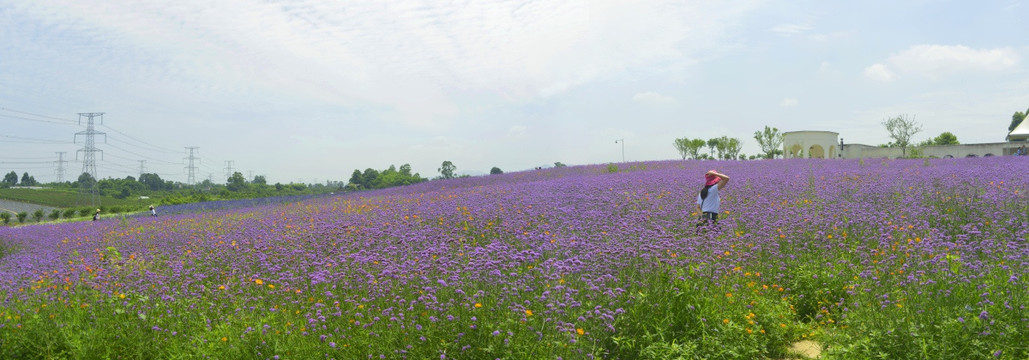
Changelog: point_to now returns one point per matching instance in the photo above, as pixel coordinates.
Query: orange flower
(259, 282)
(528, 312)
(478, 305)
(580, 331)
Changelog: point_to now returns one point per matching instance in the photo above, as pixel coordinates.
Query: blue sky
(311, 90)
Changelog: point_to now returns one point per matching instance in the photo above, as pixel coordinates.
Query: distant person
(153, 212)
(96, 216)
(1022, 151)
(708, 201)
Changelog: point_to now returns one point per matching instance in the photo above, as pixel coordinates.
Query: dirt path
(806, 349)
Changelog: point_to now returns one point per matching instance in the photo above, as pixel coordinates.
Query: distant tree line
(374, 179)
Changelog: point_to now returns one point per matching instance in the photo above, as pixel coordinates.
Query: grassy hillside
(60, 198)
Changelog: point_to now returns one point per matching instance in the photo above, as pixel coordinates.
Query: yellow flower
(225, 339)
(221, 287)
(259, 282)
(478, 305)
(121, 296)
(528, 312)
(270, 286)
(725, 321)
(580, 331)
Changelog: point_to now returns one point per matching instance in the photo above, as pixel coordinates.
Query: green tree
(6, 217)
(260, 180)
(152, 182)
(901, 129)
(770, 141)
(27, 180)
(85, 181)
(55, 214)
(447, 169)
(558, 164)
(946, 138)
(729, 148)
(682, 146)
(11, 179)
(21, 216)
(68, 213)
(38, 215)
(712, 145)
(236, 182)
(370, 178)
(405, 170)
(356, 180)
(1017, 118)
(495, 170)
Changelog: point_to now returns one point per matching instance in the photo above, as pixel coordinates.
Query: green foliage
(6, 217)
(237, 182)
(770, 141)
(21, 216)
(559, 164)
(1017, 119)
(373, 179)
(612, 168)
(11, 179)
(27, 180)
(946, 138)
(495, 171)
(38, 215)
(901, 129)
(447, 169)
(68, 213)
(690, 146)
(83, 212)
(55, 214)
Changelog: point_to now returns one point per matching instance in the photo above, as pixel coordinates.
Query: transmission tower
(228, 169)
(60, 166)
(191, 179)
(142, 168)
(89, 150)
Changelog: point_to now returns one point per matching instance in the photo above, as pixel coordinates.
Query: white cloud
(651, 97)
(791, 29)
(788, 102)
(936, 61)
(878, 72)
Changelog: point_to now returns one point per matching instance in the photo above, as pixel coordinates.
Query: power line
(22, 139)
(68, 121)
(60, 166)
(160, 148)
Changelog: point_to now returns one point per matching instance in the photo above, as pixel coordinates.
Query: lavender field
(892, 259)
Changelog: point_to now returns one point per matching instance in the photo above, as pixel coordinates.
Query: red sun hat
(711, 179)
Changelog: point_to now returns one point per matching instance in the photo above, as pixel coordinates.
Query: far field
(872, 259)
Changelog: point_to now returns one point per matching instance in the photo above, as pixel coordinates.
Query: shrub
(21, 216)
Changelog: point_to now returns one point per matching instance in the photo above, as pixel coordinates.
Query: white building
(828, 145)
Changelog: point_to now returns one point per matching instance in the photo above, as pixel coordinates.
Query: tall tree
(447, 169)
(730, 147)
(695, 146)
(11, 179)
(86, 181)
(712, 145)
(237, 182)
(27, 180)
(495, 171)
(1017, 118)
(356, 180)
(683, 146)
(770, 141)
(901, 129)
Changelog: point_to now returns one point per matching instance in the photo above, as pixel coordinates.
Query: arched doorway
(816, 152)
(796, 151)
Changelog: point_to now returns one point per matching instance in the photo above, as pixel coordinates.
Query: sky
(310, 90)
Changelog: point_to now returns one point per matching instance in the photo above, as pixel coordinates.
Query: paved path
(15, 207)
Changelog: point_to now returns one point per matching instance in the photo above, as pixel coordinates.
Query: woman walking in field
(708, 201)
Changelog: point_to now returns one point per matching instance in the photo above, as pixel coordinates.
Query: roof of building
(1020, 132)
